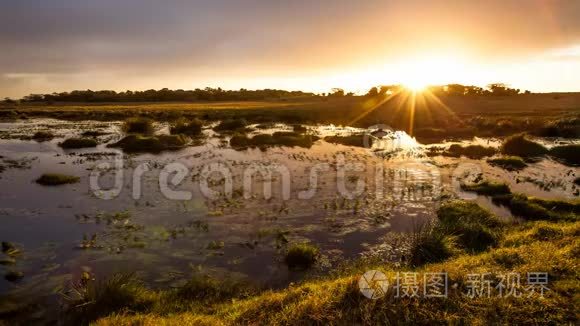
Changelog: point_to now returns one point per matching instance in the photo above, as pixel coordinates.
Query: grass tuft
(568, 154)
(301, 256)
(75, 143)
(56, 179)
(191, 127)
(138, 126)
(43, 135)
(520, 145)
(487, 188)
(152, 144)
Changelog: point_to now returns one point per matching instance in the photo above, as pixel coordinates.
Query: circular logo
(373, 284)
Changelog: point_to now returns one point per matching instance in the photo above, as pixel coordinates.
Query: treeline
(164, 95)
(218, 94)
(496, 89)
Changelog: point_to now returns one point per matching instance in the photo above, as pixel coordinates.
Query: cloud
(126, 39)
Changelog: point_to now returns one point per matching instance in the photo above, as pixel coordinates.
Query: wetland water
(63, 231)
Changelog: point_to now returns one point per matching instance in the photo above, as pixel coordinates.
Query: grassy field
(547, 246)
(422, 115)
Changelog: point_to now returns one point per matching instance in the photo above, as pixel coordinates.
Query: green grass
(510, 163)
(75, 143)
(475, 228)
(520, 145)
(568, 154)
(138, 126)
(300, 256)
(56, 179)
(487, 188)
(151, 144)
(336, 300)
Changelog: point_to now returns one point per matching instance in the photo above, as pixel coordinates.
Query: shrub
(568, 154)
(301, 256)
(520, 145)
(138, 126)
(187, 127)
(55, 179)
(74, 143)
(510, 163)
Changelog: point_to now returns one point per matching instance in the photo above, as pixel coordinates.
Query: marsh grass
(356, 140)
(470, 151)
(151, 144)
(487, 188)
(568, 154)
(475, 228)
(289, 139)
(429, 245)
(520, 145)
(300, 256)
(43, 135)
(191, 127)
(76, 143)
(56, 179)
(138, 125)
(336, 300)
(510, 163)
(232, 126)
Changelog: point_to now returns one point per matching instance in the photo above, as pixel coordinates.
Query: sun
(416, 85)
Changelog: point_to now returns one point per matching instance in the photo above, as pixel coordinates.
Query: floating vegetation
(300, 256)
(56, 179)
(215, 245)
(184, 126)
(289, 139)
(75, 143)
(151, 144)
(520, 145)
(568, 154)
(138, 126)
(510, 163)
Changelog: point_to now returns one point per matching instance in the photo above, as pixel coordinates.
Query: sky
(63, 45)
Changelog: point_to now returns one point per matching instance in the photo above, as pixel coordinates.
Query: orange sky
(308, 45)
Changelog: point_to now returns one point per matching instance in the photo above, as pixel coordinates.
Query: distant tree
(372, 92)
(337, 92)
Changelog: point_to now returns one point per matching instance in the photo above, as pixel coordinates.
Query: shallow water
(166, 241)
